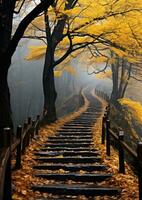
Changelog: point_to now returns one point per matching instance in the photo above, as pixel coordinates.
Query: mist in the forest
(25, 81)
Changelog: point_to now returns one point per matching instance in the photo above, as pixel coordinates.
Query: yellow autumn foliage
(36, 52)
(108, 25)
(57, 73)
(134, 108)
(103, 75)
(65, 67)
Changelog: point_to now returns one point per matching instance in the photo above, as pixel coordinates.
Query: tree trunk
(5, 108)
(6, 18)
(53, 39)
(49, 90)
(115, 77)
(120, 79)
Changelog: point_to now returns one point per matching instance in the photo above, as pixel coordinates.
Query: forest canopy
(97, 27)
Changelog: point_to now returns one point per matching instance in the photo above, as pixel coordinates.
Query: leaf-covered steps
(69, 155)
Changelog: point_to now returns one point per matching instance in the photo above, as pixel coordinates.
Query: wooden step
(67, 145)
(77, 121)
(70, 159)
(74, 133)
(75, 177)
(78, 125)
(66, 153)
(66, 149)
(72, 168)
(70, 137)
(74, 128)
(69, 140)
(83, 121)
(85, 189)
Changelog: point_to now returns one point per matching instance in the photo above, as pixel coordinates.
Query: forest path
(69, 165)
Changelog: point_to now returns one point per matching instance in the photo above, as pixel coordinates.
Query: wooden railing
(118, 136)
(102, 95)
(14, 147)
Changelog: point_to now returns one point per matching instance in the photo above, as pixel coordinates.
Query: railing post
(25, 125)
(37, 126)
(29, 120)
(19, 150)
(28, 135)
(33, 129)
(103, 129)
(7, 185)
(121, 153)
(139, 156)
(108, 137)
(24, 140)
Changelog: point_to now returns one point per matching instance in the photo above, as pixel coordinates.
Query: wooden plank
(72, 168)
(70, 159)
(67, 145)
(67, 153)
(67, 149)
(65, 189)
(75, 177)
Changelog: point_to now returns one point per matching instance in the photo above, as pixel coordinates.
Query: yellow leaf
(36, 52)
(57, 73)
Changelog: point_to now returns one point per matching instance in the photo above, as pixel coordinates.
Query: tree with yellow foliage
(88, 27)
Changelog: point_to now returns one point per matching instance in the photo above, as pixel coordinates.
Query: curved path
(75, 165)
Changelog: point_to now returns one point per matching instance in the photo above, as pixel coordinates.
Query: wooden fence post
(25, 125)
(103, 129)
(19, 150)
(24, 140)
(121, 153)
(33, 129)
(7, 185)
(139, 156)
(107, 137)
(29, 120)
(37, 127)
(28, 135)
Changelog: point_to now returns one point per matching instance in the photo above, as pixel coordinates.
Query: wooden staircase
(71, 150)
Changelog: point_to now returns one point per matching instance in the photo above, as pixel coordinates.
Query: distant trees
(92, 28)
(121, 74)
(8, 44)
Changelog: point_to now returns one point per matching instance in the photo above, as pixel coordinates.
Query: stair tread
(69, 159)
(84, 189)
(72, 167)
(67, 149)
(66, 153)
(70, 137)
(67, 145)
(75, 177)
(70, 141)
